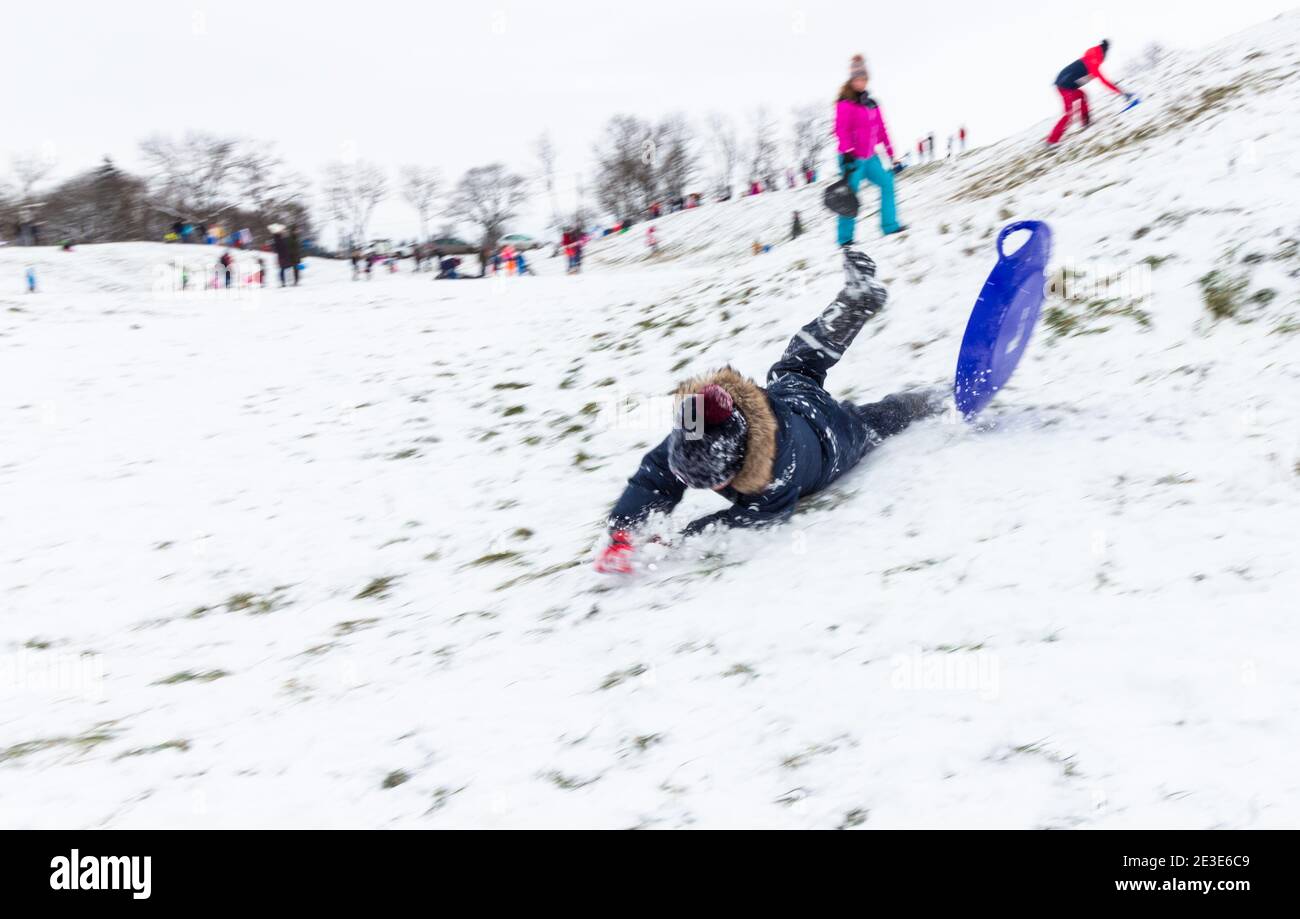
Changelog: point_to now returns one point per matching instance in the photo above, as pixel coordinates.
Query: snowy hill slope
(321, 556)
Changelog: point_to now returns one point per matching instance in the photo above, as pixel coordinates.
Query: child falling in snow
(765, 448)
(1068, 83)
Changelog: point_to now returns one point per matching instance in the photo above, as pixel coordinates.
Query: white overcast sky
(462, 84)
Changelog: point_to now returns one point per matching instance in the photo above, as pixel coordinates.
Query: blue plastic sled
(1135, 101)
(1003, 318)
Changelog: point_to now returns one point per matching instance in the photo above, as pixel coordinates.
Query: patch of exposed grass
(1083, 317)
(1068, 764)
(349, 626)
(441, 796)
(1222, 293)
(251, 603)
(189, 676)
(537, 575)
(568, 782)
(854, 818)
(618, 677)
(493, 558)
(80, 743)
(1288, 326)
(377, 588)
(1010, 173)
(180, 745)
(959, 647)
(911, 566)
(802, 758)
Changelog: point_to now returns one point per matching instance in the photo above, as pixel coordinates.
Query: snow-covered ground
(321, 556)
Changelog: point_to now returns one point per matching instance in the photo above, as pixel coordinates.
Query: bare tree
(625, 166)
(488, 197)
(275, 195)
(103, 204)
(812, 133)
(546, 159)
(352, 192)
(725, 146)
(30, 169)
(420, 187)
(762, 164)
(674, 162)
(194, 175)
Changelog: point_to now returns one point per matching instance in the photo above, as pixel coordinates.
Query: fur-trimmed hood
(760, 443)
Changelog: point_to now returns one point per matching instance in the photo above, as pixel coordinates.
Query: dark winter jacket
(280, 243)
(1084, 69)
(800, 441)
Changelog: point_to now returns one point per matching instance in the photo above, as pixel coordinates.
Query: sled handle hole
(1023, 233)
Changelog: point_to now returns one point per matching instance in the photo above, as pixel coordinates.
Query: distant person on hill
(295, 252)
(763, 448)
(1069, 81)
(288, 251)
(860, 129)
(796, 227)
(227, 263)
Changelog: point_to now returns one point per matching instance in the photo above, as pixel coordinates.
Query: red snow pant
(1070, 97)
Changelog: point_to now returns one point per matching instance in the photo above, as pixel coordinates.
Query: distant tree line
(199, 179)
(205, 179)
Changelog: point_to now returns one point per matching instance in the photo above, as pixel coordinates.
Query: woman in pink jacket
(860, 129)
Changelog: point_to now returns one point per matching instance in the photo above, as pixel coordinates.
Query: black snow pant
(895, 412)
(819, 345)
(288, 268)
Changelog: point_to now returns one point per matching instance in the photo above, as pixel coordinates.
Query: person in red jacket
(1069, 81)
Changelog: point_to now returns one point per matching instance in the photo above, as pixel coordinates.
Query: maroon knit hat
(707, 446)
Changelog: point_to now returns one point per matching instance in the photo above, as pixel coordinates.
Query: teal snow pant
(874, 171)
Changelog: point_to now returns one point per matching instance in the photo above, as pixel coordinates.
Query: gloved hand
(616, 558)
(847, 161)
